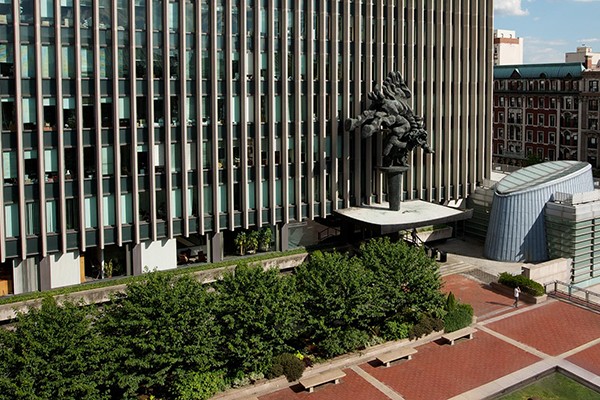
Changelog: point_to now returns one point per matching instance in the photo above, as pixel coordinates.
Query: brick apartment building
(546, 112)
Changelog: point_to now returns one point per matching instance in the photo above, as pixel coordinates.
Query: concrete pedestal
(394, 178)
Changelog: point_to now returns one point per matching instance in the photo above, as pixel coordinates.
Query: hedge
(527, 285)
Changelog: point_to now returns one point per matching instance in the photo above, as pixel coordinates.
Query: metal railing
(328, 232)
(573, 293)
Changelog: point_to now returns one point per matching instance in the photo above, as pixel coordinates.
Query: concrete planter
(436, 234)
(526, 297)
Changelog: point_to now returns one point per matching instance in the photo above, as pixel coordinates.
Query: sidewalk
(510, 346)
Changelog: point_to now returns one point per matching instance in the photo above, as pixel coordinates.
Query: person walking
(516, 294)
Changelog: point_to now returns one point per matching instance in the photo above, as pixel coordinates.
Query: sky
(550, 28)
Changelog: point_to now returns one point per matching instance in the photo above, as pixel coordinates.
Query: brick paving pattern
(588, 359)
(484, 300)
(442, 371)
(439, 371)
(554, 328)
(352, 386)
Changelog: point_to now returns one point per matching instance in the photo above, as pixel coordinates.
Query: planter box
(526, 297)
(436, 234)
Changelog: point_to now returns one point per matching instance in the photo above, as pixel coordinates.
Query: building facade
(536, 113)
(546, 112)
(590, 115)
(584, 55)
(131, 126)
(508, 48)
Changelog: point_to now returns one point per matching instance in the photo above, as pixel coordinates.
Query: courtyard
(510, 346)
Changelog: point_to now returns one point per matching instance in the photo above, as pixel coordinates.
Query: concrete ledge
(526, 297)
(102, 295)
(341, 362)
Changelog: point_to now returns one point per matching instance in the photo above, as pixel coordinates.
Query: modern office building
(508, 48)
(130, 127)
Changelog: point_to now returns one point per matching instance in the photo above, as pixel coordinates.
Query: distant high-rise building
(508, 48)
(584, 55)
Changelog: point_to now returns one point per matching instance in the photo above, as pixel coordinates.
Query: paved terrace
(510, 346)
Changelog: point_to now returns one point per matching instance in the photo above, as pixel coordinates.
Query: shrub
(287, 364)
(457, 318)
(527, 285)
(458, 315)
(396, 330)
(426, 325)
(197, 385)
(343, 341)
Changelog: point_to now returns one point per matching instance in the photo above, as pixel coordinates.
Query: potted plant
(241, 242)
(253, 240)
(110, 268)
(265, 236)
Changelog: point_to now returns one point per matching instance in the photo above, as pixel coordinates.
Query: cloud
(588, 40)
(540, 51)
(509, 7)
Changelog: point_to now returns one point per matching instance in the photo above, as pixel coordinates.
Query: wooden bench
(391, 356)
(332, 375)
(461, 333)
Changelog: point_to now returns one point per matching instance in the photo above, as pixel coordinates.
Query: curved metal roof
(517, 229)
(536, 71)
(538, 175)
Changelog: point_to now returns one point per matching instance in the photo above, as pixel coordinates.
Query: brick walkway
(439, 371)
(511, 345)
(486, 302)
(588, 359)
(352, 387)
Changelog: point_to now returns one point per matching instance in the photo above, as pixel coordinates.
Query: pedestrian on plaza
(516, 294)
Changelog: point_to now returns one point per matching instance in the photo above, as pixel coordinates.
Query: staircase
(452, 267)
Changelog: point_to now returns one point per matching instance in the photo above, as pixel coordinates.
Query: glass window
(107, 160)
(32, 219)
(51, 217)
(176, 209)
(68, 62)
(11, 220)
(27, 61)
(91, 220)
(127, 208)
(108, 210)
(9, 164)
(87, 62)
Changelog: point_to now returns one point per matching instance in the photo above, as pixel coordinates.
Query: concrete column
(45, 274)
(128, 260)
(282, 237)
(215, 247)
(100, 258)
(137, 267)
(25, 276)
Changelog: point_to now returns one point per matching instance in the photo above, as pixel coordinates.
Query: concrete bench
(332, 375)
(461, 333)
(391, 356)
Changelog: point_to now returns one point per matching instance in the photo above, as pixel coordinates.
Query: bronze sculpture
(391, 114)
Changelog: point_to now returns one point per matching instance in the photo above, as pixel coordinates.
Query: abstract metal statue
(391, 114)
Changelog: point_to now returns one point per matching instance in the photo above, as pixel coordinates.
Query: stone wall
(549, 271)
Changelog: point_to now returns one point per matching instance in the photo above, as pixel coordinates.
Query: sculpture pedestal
(394, 179)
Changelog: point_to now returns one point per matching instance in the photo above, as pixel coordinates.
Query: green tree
(258, 312)
(340, 302)
(160, 327)
(52, 353)
(408, 282)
